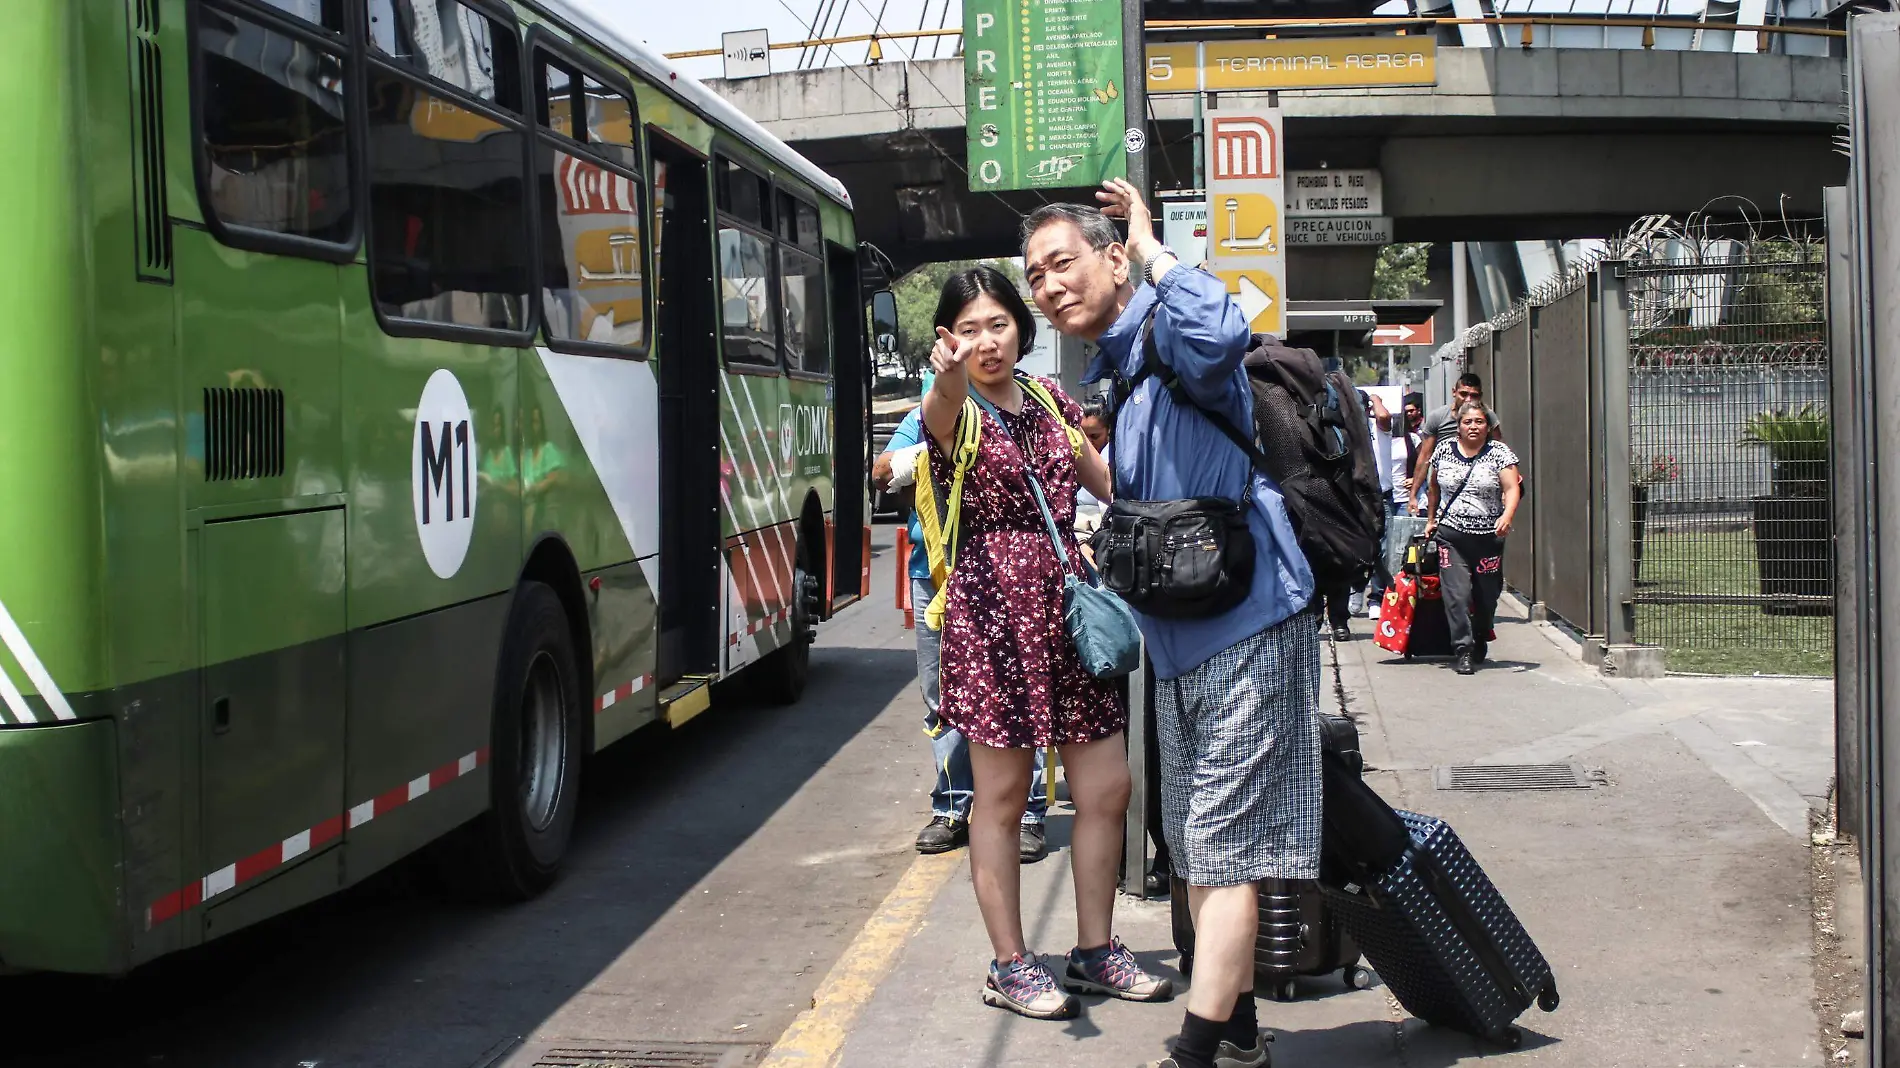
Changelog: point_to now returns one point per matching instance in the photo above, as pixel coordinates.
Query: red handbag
(1395, 614)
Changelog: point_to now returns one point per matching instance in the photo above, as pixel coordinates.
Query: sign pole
(1135, 97)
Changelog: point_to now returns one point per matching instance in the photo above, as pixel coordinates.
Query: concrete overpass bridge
(1510, 145)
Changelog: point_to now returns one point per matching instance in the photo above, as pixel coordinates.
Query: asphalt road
(716, 873)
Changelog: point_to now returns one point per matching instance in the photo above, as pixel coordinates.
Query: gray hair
(1471, 406)
(1099, 229)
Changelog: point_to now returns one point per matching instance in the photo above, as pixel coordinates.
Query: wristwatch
(1148, 265)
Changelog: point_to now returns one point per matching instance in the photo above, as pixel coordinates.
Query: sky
(681, 25)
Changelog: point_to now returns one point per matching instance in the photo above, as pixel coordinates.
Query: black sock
(1243, 1027)
(1199, 1039)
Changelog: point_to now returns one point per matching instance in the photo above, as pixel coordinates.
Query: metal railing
(1732, 530)
(1671, 417)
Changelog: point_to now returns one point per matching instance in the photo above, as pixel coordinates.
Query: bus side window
(274, 158)
(802, 285)
(593, 279)
(447, 201)
(747, 267)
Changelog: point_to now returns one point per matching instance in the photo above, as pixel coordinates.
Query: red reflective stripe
(325, 831)
(391, 799)
(264, 860)
(260, 862)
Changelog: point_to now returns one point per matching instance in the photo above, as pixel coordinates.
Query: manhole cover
(1513, 777)
(652, 1055)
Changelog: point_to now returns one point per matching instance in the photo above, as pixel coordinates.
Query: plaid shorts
(1239, 735)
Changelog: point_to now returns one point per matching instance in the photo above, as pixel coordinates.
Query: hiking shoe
(942, 834)
(1033, 845)
(1229, 1055)
(1115, 974)
(1464, 666)
(1024, 986)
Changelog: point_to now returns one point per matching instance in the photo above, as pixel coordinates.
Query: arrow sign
(1258, 294)
(1406, 334)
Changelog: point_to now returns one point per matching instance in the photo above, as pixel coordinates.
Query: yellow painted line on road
(818, 1035)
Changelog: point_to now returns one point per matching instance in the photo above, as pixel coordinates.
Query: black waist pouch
(1185, 559)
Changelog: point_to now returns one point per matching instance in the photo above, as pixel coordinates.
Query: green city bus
(357, 484)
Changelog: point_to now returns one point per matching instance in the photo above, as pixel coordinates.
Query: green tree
(917, 294)
(1400, 270)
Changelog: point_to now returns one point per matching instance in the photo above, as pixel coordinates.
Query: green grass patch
(1723, 639)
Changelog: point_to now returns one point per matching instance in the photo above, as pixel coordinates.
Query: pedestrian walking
(1013, 680)
(1237, 685)
(1441, 423)
(1472, 500)
(1404, 431)
(950, 794)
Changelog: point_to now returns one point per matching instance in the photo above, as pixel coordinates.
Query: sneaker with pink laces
(1113, 972)
(1025, 986)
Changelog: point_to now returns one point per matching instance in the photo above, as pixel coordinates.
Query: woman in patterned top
(1011, 680)
(1473, 491)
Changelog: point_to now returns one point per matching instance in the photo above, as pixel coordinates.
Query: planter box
(1794, 545)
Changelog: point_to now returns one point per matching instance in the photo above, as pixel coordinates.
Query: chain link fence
(1730, 522)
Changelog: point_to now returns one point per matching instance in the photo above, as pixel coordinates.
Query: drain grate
(1513, 777)
(652, 1055)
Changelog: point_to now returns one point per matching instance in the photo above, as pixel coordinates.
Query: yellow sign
(1245, 224)
(1295, 63)
(1258, 294)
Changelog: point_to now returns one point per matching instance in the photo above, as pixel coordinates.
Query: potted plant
(1793, 528)
(1658, 469)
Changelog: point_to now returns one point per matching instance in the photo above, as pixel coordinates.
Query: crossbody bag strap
(1470, 469)
(1152, 365)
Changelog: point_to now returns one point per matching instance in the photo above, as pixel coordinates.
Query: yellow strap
(940, 533)
(1043, 397)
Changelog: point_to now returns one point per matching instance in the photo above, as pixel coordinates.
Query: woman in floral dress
(1011, 678)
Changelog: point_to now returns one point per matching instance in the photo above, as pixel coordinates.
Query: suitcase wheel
(1284, 990)
(1357, 976)
(1508, 1036)
(1547, 998)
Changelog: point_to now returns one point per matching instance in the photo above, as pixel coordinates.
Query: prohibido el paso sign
(442, 476)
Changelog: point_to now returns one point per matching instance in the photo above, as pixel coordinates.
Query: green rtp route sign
(1042, 93)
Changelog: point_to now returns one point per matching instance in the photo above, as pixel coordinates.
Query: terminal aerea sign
(1292, 63)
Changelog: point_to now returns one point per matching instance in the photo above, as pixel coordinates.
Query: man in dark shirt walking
(1236, 694)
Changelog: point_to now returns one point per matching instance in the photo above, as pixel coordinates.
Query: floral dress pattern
(1010, 677)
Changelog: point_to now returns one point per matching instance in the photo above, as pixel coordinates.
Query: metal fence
(1670, 412)
(1731, 528)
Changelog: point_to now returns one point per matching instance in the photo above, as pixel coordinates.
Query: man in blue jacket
(1236, 694)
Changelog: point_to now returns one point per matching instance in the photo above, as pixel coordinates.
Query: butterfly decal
(1105, 95)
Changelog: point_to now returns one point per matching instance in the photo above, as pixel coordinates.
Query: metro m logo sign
(1244, 148)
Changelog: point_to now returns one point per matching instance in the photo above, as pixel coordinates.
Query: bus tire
(784, 672)
(536, 748)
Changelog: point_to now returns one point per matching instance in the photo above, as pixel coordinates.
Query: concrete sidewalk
(1671, 898)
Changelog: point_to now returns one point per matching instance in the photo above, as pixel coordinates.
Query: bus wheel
(783, 673)
(539, 729)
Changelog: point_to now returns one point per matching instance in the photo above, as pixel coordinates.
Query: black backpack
(1317, 445)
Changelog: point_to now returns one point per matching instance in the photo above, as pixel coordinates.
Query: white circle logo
(442, 473)
(1134, 140)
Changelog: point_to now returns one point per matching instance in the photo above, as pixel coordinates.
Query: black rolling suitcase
(1298, 933)
(1426, 915)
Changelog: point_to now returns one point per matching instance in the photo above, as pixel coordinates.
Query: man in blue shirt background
(949, 825)
(1236, 694)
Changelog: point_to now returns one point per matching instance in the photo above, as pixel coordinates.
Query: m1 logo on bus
(442, 473)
